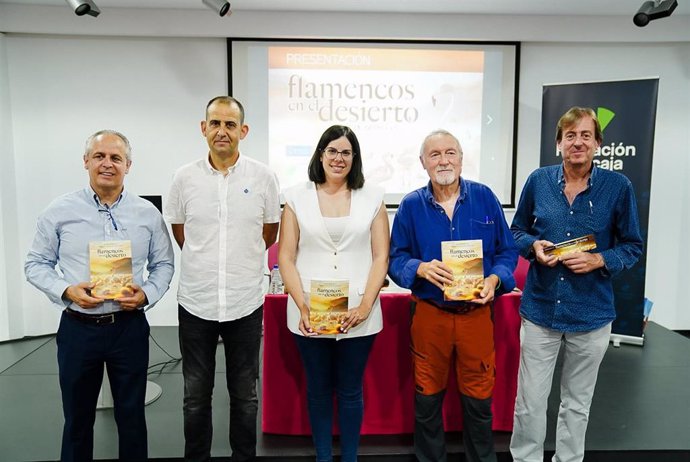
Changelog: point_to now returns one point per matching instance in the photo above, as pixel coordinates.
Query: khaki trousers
(539, 347)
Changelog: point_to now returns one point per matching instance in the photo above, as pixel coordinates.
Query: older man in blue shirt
(568, 299)
(451, 208)
(94, 331)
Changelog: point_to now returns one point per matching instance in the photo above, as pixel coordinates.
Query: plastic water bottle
(276, 284)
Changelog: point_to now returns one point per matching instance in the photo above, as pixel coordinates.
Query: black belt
(460, 308)
(99, 319)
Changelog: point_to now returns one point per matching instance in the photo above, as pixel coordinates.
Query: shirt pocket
(487, 233)
(250, 205)
(140, 237)
(598, 221)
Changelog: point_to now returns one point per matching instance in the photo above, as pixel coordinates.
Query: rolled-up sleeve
(174, 209)
(272, 205)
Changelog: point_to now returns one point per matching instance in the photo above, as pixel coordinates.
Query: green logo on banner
(605, 116)
(611, 156)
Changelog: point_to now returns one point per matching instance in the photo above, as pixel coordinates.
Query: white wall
(8, 235)
(64, 87)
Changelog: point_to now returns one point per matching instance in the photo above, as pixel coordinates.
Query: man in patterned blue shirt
(568, 299)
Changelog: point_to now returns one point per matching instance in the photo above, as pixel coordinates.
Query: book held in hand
(579, 244)
(465, 259)
(328, 305)
(110, 264)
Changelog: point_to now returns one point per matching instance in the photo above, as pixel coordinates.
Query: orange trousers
(438, 337)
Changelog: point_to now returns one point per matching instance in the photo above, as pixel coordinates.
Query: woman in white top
(334, 228)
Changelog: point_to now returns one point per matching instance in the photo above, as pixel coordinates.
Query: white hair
(437, 132)
(90, 140)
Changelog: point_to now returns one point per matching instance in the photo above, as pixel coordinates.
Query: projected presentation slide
(392, 97)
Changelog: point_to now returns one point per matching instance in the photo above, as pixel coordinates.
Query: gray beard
(445, 179)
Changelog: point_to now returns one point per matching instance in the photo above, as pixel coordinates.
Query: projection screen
(392, 94)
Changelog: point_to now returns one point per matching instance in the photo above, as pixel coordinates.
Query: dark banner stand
(627, 113)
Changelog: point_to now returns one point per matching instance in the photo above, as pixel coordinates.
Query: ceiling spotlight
(651, 10)
(82, 7)
(219, 6)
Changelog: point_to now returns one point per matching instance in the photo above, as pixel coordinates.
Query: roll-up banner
(627, 113)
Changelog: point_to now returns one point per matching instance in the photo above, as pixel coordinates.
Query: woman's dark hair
(355, 177)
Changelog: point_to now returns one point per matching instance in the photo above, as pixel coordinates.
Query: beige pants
(539, 348)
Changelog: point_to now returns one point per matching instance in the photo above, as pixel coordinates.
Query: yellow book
(110, 264)
(579, 244)
(328, 305)
(465, 259)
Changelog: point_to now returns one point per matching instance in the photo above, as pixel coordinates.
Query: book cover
(110, 264)
(465, 259)
(328, 305)
(579, 244)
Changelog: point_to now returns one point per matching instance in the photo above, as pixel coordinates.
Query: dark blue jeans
(82, 351)
(335, 367)
(198, 343)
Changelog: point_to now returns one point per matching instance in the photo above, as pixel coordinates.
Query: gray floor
(641, 407)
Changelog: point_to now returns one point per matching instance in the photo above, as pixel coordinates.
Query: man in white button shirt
(224, 210)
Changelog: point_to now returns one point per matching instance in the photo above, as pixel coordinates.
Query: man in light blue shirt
(93, 330)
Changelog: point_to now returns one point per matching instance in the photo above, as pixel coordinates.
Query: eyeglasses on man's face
(332, 153)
